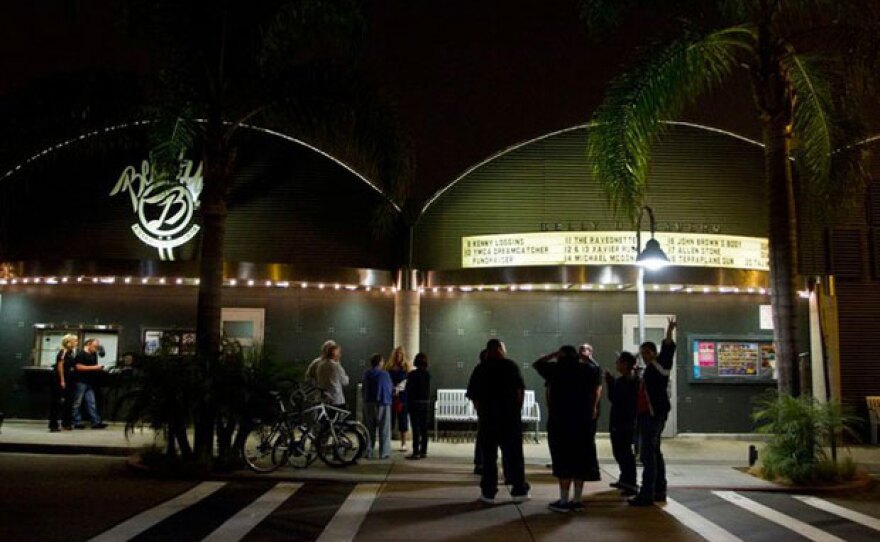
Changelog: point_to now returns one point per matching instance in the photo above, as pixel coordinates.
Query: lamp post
(652, 259)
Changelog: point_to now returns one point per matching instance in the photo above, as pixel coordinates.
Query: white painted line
(347, 520)
(697, 523)
(236, 527)
(831, 508)
(804, 529)
(146, 519)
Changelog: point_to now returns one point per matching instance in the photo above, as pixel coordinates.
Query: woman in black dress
(571, 386)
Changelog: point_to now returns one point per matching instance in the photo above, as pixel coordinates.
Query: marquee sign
(164, 209)
(612, 248)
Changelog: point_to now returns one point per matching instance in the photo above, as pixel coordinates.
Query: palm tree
(286, 65)
(807, 62)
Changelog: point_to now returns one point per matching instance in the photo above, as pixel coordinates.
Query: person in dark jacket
(586, 357)
(63, 385)
(497, 389)
(418, 395)
(652, 407)
(623, 393)
(571, 397)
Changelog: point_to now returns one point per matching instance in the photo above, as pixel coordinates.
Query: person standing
(478, 453)
(497, 389)
(330, 376)
(398, 367)
(623, 394)
(586, 356)
(63, 390)
(86, 374)
(652, 408)
(377, 406)
(571, 388)
(418, 395)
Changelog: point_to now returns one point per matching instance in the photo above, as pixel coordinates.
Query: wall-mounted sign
(612, 248)
(733, 360)
(164, 209)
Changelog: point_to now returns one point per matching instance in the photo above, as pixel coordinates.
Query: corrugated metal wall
(550, 181)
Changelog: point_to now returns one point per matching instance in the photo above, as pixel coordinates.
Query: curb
(66, 449)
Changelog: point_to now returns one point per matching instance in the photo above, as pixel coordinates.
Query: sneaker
(520, 497)
(640, 501)
(100, 425)
(404, 449)
(576, 506)
(563, 507)
(413, 456)
(487, 500)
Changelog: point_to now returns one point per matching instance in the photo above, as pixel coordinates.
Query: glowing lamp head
(652, 258)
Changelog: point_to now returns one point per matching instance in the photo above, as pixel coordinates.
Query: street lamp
(651, 258)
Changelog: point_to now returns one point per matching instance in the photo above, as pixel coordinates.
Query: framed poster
(733, 359)
(170, 341)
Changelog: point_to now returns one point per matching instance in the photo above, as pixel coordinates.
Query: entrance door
(244, 325)
(655, 330)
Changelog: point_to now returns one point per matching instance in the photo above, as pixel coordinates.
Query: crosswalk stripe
(837, 510)
(804, 529)
(148, 518)
(697, 523)
(347, 520)
(236, 527)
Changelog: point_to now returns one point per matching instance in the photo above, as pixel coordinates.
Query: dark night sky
(468, 78)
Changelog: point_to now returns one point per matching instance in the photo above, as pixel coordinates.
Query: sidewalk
(693, 461)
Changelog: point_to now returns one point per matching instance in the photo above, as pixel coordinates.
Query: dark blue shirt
(377, 386)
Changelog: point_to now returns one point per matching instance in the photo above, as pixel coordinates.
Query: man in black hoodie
(653, 407)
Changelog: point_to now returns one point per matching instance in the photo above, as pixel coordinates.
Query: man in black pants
(586, 355)
(652, 406)
(497, 389)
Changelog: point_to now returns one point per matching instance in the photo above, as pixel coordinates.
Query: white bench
(873, 417)
(454, 406)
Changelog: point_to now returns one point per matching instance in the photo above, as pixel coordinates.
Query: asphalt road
(71, 498)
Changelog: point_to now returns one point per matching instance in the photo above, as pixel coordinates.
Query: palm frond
(658, 87)
(176, 136)
(831, 166)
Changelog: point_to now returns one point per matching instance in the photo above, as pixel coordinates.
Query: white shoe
(487, 500)
(404, 449)
(521, 498)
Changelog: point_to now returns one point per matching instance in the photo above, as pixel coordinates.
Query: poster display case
(732, 359)
(172, 341)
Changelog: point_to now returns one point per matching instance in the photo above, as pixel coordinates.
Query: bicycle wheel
(340, 447)
(258, 449)
(363, 433)
(302, 448)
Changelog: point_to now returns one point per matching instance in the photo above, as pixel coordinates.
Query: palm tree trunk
(783, 253)
(208, 332)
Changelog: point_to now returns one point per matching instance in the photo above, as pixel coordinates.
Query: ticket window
(244, 325)
(47, 343)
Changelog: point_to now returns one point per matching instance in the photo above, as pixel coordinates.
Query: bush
(801, 428)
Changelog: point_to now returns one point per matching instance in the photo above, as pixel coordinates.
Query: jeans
(378, 418)
(508, 436)
(654, 474)
(85, 391)
(418, 415)
(622, 447)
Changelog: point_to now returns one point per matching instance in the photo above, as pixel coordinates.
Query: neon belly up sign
(164, 209)
(612, 248)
